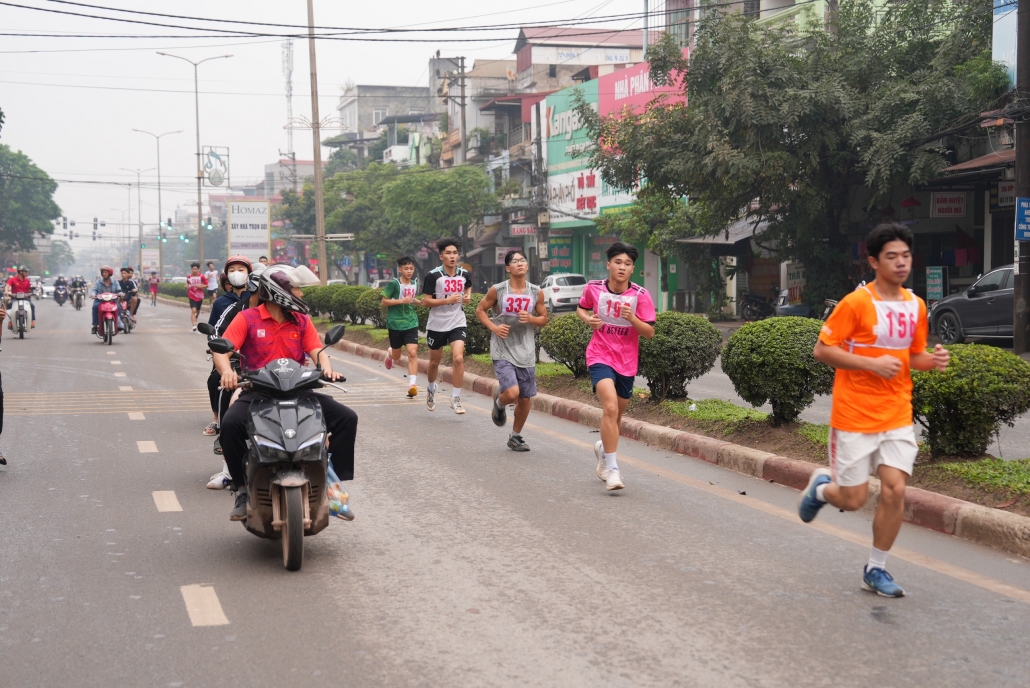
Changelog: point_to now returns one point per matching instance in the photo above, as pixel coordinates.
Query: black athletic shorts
(398, 338)
(438, 340)
(196, 305)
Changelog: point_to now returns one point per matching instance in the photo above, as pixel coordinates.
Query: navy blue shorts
(623, 383)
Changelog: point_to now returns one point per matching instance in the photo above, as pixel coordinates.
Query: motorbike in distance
(287, 459)
(78, 296)
(60, 294)
(126, 315)
(22, 314)
(107, 317)
(755, 307)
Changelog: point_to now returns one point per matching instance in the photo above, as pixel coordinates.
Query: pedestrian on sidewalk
(402, 321)
(620, 313)
(520, 310)
(447, 289)
(3, 314)
(874, 338)
(195, 286)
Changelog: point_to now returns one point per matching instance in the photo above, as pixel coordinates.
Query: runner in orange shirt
(874, 337)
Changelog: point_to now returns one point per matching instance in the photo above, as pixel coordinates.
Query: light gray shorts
(509, 375)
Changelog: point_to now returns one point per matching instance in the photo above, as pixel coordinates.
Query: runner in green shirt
(401, 320)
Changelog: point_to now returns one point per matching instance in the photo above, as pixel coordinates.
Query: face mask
(238, 279)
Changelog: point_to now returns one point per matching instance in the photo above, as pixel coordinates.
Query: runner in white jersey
(447, 289)
(520, 310)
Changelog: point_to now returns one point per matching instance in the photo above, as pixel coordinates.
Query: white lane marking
(166, 501)
(116, 362)
(124, 388)
(110, 353)
(136, 415)
(119, 374)
(146, 446)
(203, 606)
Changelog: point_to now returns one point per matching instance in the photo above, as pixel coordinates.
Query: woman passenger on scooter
(279, 328)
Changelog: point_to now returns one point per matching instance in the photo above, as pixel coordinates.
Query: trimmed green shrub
(423, 315)
(478, 337)
(345, 302)
(315, 298)
(962, 408)
(369, 307)
(172, 289)
(771, 360)
(684, 348)
(565, 340)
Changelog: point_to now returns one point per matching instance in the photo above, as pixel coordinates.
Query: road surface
(468, 564)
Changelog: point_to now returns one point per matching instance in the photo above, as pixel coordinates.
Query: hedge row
(172, 289)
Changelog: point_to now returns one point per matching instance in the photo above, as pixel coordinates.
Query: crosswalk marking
(136, 415)
(165, 500)
(203, 606)
(146, 446)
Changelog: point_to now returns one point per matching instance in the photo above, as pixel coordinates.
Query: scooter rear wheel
(109, 332)
(293, 528)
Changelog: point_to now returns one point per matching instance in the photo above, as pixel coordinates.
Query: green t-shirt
(401, 317)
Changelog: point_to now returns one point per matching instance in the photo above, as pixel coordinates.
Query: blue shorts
(623, 383)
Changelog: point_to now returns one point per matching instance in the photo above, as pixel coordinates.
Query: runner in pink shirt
(195, 286)
(620, 312)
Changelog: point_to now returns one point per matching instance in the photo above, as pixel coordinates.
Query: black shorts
(195, 305)
(399, 338)
(438, 340)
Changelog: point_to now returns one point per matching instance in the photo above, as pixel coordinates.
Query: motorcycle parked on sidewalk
(755, 307)
(78, 296)
(22, 314)
(287, 460)
(60, 294)
(107, 317)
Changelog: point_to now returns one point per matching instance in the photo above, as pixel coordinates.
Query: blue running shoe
(809, 506)
(880, 582)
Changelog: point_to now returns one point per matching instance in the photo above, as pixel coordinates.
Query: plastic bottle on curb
(338, 499)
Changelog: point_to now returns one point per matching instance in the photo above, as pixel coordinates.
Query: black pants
(340, 421)
(219, 399)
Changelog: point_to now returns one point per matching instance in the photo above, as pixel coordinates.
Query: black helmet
(276, 285)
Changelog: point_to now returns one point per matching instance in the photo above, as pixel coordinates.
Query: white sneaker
(219, 481)
(456, 405)
(614, 481)
(430, 399)
(194, 328)
(602, 465)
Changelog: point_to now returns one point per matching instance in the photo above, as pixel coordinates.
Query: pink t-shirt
(616, 343)
(195, 284)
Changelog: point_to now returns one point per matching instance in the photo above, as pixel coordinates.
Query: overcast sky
(86, 133)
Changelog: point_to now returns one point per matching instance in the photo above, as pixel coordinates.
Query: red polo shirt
(20, 286)
(256, 334)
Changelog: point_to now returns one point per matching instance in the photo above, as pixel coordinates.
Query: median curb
(206, 308)
(999, 529)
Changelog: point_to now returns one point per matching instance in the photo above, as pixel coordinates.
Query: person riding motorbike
(19, 284)
(102, 286)
(223, 310)
(279, 328)
(60, 281)
(136, 298)
(130, 292)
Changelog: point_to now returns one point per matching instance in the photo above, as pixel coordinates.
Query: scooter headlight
(312, 447)
(270, 448)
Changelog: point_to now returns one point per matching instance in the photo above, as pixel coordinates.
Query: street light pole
(139, 211)
(160, 249)
(200, 168)
(1021, 290)
(323, 266)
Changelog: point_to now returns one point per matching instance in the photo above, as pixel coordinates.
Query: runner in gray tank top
(519, 311)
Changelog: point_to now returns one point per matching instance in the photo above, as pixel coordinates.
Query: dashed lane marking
(203, 606)
(146, 446)
(119, 374)
(136, 415)
(116, 362)
(110, 353)
(165, 500)
(124, 388)
(935, 565)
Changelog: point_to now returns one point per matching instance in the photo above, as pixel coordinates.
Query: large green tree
(789, 127)
(425, 204)
(27, 204)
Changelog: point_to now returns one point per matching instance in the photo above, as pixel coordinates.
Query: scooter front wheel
(109, 332)
(293, 528)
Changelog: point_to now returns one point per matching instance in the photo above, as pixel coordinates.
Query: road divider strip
(165, 500)
(999, 529)
(203, 606)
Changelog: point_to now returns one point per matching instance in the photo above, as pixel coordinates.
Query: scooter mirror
(205, 328)
(334, 335)
(221, 346)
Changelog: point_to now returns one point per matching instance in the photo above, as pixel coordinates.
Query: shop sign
(560, 249)
(1023, 219)
(632, 88)
(573, 196)
(795, 285)
(1006, 194)
(522, 230)
(501, 251)
(936, 284)
(948, 204)
(249, 229)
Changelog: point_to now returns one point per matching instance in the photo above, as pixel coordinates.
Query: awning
(997, 159)
(738, 231)
(475, 252)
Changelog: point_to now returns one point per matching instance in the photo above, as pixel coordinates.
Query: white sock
(411, 379)
(877, 559)
(819, 492)
(431, 387)
(456, 392)
(610, 463)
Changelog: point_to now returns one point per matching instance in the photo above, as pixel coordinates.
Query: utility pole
(139, 210)
(1021, 302)
(464, 131)
(160, 249)
(323, 258)
(646, 16)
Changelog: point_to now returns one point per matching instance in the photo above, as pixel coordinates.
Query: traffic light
(64, 220)
(182, 237)
(207, 223)
(142, 245)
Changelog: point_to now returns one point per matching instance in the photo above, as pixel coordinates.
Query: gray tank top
(519, 347)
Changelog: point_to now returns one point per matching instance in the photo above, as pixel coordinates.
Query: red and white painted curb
(1000, 529)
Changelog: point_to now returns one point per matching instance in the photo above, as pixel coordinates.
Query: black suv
(983, 310)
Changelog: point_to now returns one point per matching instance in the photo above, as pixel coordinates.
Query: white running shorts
(854, 456)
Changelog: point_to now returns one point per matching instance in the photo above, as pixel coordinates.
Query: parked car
(336, 281)
(982, 310)
(178, 280)
(48, 290)
(380, 283)
(563, 291)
